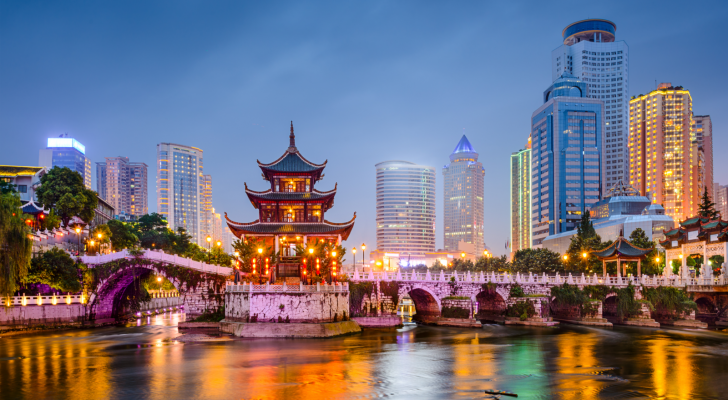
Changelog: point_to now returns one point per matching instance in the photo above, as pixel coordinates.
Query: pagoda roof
(292, 162)
(32, 208)
(284, 228)
(326, 198)
(621, 248)
(715, 224)
(693, 222)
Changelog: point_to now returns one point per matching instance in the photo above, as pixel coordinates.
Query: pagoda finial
(292, 145)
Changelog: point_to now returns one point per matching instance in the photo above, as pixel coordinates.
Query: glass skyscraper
(567, 138)
(180, 188)
(405, 209)
(67, 152)
(463, 198)
(591, 53)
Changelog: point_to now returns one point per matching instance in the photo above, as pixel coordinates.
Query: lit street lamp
(209, 241)
(78, 234)
(363, 254)
(353, 251)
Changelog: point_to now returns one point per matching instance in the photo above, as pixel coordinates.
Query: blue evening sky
(363, 82)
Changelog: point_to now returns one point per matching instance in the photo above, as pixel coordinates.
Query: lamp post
(209, 243)
(363, 254)
(99, 235)
(78, 235)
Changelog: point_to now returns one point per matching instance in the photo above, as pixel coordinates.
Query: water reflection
(143, 360)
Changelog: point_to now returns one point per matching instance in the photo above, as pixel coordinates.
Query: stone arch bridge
(488, 294)
(201, 286)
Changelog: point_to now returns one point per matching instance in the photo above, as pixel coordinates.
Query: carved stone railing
(157, 255)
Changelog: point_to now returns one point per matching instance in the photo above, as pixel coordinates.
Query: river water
(415, 362)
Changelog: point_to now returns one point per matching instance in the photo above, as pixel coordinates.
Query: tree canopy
(15, 245)
(56, 269)
(63, 190)
(537, 261)
(706, 208)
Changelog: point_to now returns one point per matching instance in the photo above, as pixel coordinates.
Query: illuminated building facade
(463, 198)
(667, 163)
(521, 199)
(291, 212)
(591, 53)
(720, 198)
(703, 128)
(405, 209)
(207, 212)
(567, 138)
(180, 185)
(123, 184)
(67, 152)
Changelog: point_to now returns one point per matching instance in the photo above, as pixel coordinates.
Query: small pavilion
(622, 251)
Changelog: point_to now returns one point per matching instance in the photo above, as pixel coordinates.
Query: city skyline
(459, 58)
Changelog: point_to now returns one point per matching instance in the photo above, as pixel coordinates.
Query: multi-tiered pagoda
(292, 211)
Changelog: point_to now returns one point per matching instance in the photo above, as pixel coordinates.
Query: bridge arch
(491, 304)
(199, 290)
(427, 303)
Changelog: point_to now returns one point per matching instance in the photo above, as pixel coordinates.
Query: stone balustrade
(158, 255)
(557, 279)
(300, 288)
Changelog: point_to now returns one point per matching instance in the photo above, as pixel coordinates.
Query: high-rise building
(591, 53)
(405, 208)
(228, 239)
(666, 162)
(123, 185)
(180, 185)
(66, 152)
(720, 198)
(567, 139)
(463, 198)
(703, 128)
(207, 213)
(216, 226)
(521, 199)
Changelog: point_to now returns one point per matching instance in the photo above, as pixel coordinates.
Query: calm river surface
(569, 362)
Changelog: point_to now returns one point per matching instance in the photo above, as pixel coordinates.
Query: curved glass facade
(597, 30)
(405, 208)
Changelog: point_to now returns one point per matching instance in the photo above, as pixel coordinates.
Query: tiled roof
(306, 228)
(622, 247)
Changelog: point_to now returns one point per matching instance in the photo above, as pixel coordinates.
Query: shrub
(517, 291)
(522, 309)
(669, 301)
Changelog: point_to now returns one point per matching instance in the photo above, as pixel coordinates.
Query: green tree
(579, 254)
(63, 190)
(120, 235)
(650, 265)
(100, 235)
(7, 187)
(16, 247)
(56, 269)
(493, 264)
(537, 261)
(706, 208)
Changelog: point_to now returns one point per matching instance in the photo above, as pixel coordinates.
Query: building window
(22, 188)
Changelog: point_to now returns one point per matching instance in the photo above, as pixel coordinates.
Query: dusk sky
(363, 82)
